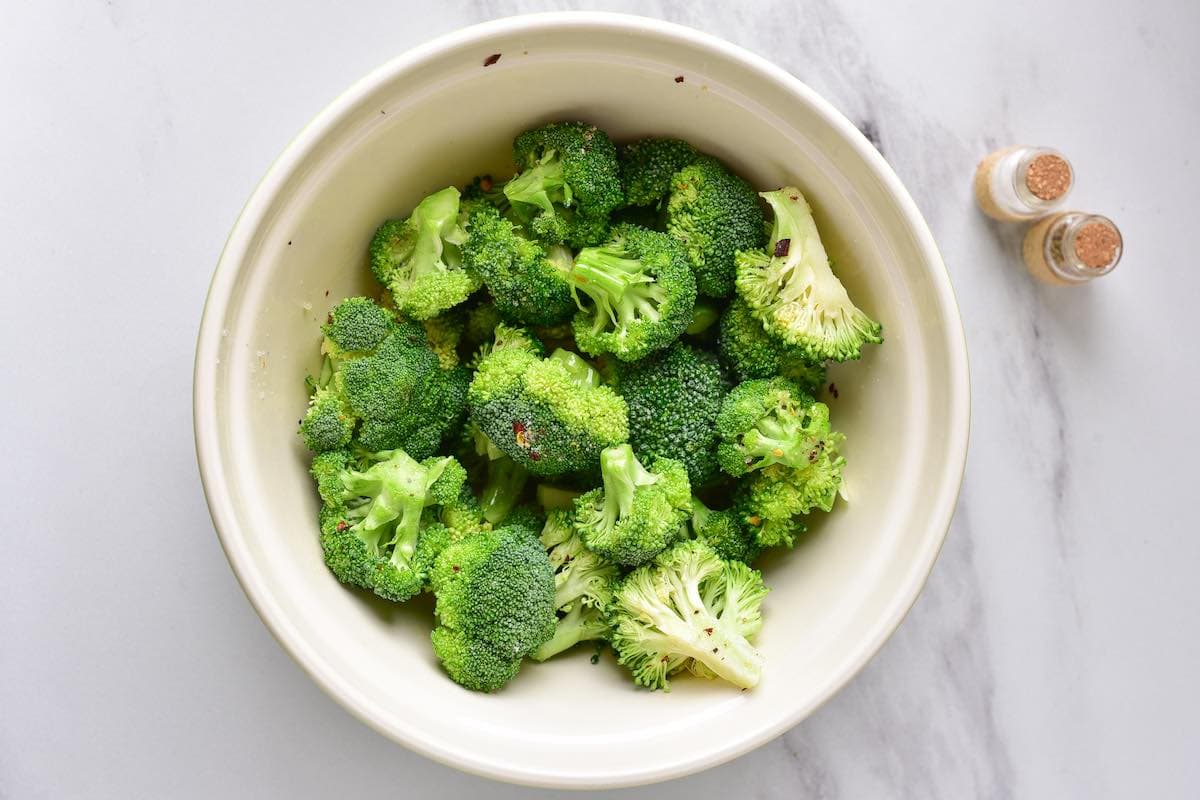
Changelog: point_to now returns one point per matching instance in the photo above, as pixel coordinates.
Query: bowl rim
(207, 440)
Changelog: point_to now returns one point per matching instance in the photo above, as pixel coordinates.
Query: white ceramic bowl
(437, 116)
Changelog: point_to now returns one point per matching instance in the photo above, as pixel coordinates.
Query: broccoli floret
(419, 259)
(444, 332)
(495, 605)
(328, 423)
(373, 521)
(383, 385)
(750, 352)
(793, 291)
(527, 516)
(770, 421)
(583, 587)
(527, 280)
(714, 213)
(547, 415)
(639, 512)
(641, 292)
(647, 167)
(673, 399)
(568, 183)
(689, 610)
(725, 532)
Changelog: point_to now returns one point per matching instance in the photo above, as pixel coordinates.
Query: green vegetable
(383, 387)
(690, 610)
(725, 532)
(793, 291)
(750, 352)
(641, 294)
(568, 183)
(583, 587)
(550, 415)
(527, 280)
(673, 399)
(495, 605)
(770, 421)
(419, 259)
(372, 534)
(647, 167)
(639, 512)
(714, 214)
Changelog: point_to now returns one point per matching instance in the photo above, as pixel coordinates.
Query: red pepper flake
(782, 247)
(455, 568)
(492, 59)
(754, 520)
(679, 79)
(289, 242)
(793, 197)
(665, 659)
(520, 433)
(341, 526)
(534, 455)
(715, 649)
(833, 390)
(327, 293)
(485, 183)
(708, 631)
(329, 317)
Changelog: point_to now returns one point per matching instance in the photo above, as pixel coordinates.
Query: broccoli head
(647, 167)
(750, 352)
(641, 292)
(792, 289)
(774, 500)
(714, 213)
(770, 421)
(689, 610)
(549, 416)
(583, 587)
(674, 397)
(725, 532)
(568, 183)
(639, 512)
(372, 523)
(527, 280)
(419, 259)
(382, 387)
(495, 605)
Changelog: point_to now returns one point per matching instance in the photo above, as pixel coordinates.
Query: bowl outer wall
(680, 744)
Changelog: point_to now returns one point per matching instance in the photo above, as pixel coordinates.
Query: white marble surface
(1053, 654)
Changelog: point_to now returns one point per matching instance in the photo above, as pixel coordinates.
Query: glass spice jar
(1071, 248)
(1022, 183)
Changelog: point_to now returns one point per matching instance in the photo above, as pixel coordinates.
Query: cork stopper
(1096, 245)
(1048, 177)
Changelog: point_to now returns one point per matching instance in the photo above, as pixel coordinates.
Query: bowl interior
(439, 117)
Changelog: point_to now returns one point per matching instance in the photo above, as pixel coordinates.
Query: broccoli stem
(622, 474)
(580, 370)
(578, 625)
(541, 185)
(703, 317)
(505, 482)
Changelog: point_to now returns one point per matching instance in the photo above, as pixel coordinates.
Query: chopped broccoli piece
(373, 517)
(770, 421)
(527, 280)
(495, 605)
(647, 167)
(419, 259)
(641, 292)
(750, 352)
(725, 532)
(382, 385)
(674, 397)
(639, 512)
(794, 292)
(583, 587)
(547, 415)
(714, 214)
(690, 610)
(568, 184)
